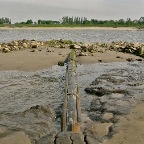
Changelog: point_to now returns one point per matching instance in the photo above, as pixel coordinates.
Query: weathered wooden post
(71, 106)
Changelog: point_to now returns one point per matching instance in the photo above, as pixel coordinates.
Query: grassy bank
(67, 25)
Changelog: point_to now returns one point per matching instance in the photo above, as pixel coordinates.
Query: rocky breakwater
(126, 47)
(84, 49)
(20, 45)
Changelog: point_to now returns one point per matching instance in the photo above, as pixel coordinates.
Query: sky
(22, 10)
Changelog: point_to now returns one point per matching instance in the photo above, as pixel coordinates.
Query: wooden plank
(71, 107)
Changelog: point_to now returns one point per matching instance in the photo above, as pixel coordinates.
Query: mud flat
(32, 91)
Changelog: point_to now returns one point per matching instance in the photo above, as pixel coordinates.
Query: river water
(85, 35)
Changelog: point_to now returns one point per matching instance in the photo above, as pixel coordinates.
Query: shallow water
(21, 90)
(74, 35)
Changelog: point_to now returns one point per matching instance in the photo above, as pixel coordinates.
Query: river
(79, 35)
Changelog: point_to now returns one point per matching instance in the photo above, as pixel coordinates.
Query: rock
(99, 60)
(139, 59)
(25, 45)
(99, 91)
(33, 51)
(141, 50)
(107, 117)
(130, 59)
(34, 45)
(74, 46)
(6, 50)
(0, 47)
(118, 57)
(101, 51)
(60, 63)
(69, 138)
(15, 48)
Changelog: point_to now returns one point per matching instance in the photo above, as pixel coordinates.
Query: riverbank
(73, 28)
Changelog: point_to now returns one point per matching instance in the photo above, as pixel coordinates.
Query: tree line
(85, 21)
(80, 21)
(5, 20)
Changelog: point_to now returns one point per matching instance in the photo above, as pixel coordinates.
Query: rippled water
(86, 35)
(21, 90)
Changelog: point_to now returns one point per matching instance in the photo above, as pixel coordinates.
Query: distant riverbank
(75, 28)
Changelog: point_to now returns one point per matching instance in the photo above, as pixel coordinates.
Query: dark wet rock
(99, 91)
(99, 60)
(60, 63)
(118, 57)
(34, 46)
(130, 59)
(139, 59)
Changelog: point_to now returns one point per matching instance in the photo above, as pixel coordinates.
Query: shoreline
(31, 55)
(28, 61)
(70, 28)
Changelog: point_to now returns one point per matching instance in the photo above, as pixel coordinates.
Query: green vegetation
(76, 22)
(5, 21)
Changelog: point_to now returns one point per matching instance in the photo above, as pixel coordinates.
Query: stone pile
(20, 45)
(83, 48)
(126, 47)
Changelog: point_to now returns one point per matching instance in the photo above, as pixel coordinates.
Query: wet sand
(26, 60)
(129, 128)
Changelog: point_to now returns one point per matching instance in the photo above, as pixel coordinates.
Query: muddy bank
(115, 94)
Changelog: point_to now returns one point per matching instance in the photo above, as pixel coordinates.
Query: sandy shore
(32, 61)
(74, 28)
